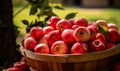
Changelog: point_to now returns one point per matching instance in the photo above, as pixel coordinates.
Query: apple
(101, 37)
(112, 25)
(92, 33)
(75, 26)
(59, 47)
(110, 45)
(30, 43)
(26, 36)
(42, 48)
(117, 66)
(53, 36)
(94, 27)
(13, 69)
(22, 66)
(36, 32)
(113, 36)
(67, 36)
(79, 48)
(47, 29)
(43, 39)
(81, 34)
(63, 24)
(81, 22)
(102, 26)
(52, 21)
(71, 21)
(97, 45)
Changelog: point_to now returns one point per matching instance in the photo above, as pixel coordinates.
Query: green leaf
(25, 22)
(103, 29)
(33, 10)
(70, 15)
(59, 7)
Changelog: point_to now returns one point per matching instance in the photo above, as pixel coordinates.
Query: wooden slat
(79, 66)
(90, 66)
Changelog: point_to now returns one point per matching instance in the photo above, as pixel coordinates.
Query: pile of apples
(73, 36)
(19, 66)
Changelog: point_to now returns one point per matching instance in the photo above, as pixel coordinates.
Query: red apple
(112, 25)
(67, 36)
(13, 69)
(47, 29)
(71, 21)
(53, 21)
(94, 27)
(110, 45)
(53, 36)
(75, 26)
(112, 36)
(42, 48)
(92, 33)
(59, 47)
(81, 22)
(81, 34)
(117, 66)
(30, 43)
(36, 32)
(97, 45)
(63, 24)
(43, 39)
(102, 26)
(22, 66)
(79, 48)
(101, 37)
(26, 36)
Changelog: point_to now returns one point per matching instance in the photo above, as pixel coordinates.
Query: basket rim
(67, 58)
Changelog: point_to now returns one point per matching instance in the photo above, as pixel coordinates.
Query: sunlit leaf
(103, 29)
(58, 7)
(70, 15)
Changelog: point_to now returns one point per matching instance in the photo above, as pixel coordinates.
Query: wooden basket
(94, 61)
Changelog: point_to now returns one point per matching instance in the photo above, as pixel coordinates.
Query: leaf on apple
(103, 29)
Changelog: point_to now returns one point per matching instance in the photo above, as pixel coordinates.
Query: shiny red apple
(13, 69)
(112, 36)
(22, 66)
(30, 43)
(53, 36)
(59, 47)
(53, 21)
(81, 34)
(43, 39)
(79, 48)
(96, 45)
(36, 32)
(67, 36)
(47, 29)
(101, 37)
(81, 22)
(42, 48)
(63, 24)
(112, 25)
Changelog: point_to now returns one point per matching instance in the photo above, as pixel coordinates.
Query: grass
(111, 15)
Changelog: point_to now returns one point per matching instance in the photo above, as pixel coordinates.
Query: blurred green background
(111, 15)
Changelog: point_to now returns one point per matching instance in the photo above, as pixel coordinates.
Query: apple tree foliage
(42, 8)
